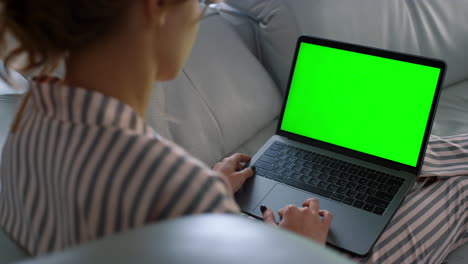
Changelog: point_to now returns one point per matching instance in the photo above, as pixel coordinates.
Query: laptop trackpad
(283, 195)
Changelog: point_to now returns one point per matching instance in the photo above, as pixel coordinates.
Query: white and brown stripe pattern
(83, 166)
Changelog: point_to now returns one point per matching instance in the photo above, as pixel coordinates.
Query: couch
(227, 98)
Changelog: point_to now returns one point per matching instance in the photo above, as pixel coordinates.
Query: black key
(317, 167)
(271, 175)
(393, 181)
(268, 159)
(308, 187)
(348, 200)
(332, 187)
(281, 178)
(288, 165)
(382, 187)
(275, 147)
(371, 191)
(379, 210)
(296, 168)
(337, 197)
(384, 196)
(343, 175)
(314, 174)
(351, 185)
(261, 172)
(341, 190)
(353, 170)
(306, 171)
(280, 163)
(272, 153)
(282, 156)
(308, 165)
(362, 173)
(278, 170)
(334, 172)
(264, 165)
(289, 173)
(341, 182)
(358, 204)
(372, 176)
(372, 184)
(334, 165)
(314, 182)
(323, 184)
(361, 188)
(353, 178)
(307, 157)
(363, 181)
(332, 179)
(377, 201)
(300, 162)
(343, 168)
(351, 193)
(325, 170)
(368, 207)
(392, 190)
(360, 197)
(322, 177)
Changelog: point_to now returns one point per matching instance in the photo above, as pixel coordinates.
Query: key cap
(368, 207)
(264, 165)
(358, 204)
(268, 159)
(337, 197)
(377, 201)
(272, 153)
(309, 188)
(261, 172)
(384, 196)
(348, 200)
(379, 210)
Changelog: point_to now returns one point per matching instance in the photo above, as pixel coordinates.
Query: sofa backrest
(430, 28)
(222, 98)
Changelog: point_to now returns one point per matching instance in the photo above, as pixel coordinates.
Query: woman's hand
(231, 167)
(303, 221)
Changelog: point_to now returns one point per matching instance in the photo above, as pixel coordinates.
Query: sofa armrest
(200, 239)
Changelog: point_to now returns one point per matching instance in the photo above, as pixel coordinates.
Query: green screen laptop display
(362, 102)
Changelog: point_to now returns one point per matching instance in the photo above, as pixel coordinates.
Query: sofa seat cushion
(222, 98)
(452, 113)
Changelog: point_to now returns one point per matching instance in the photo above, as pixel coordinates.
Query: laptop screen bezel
(375, 52)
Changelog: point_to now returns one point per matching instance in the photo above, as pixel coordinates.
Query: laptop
(352, 133)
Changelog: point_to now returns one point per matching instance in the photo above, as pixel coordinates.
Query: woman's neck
(121, 69)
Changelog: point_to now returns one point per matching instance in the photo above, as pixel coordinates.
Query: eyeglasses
(206, 4)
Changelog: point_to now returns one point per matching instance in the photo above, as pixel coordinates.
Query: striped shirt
(83, 166)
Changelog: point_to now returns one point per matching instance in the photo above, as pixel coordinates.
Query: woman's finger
(238, 158)
(312, 203)
(244, 174)
(268, 216)
(327, 217)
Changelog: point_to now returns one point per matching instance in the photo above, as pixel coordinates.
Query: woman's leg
(432, 222)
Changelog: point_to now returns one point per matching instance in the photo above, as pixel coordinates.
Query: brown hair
(47, 29)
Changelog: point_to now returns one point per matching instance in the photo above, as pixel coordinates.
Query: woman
(81, 163)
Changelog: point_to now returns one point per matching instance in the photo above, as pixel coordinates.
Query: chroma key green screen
(366, 103)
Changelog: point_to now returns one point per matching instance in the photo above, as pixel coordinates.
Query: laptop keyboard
(338, 180)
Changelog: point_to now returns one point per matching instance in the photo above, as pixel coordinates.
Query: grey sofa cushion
(452, 113)
(222, 98)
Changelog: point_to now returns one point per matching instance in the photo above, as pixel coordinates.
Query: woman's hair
(45, 30)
